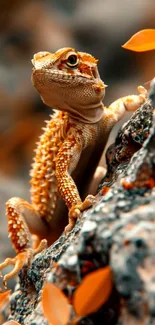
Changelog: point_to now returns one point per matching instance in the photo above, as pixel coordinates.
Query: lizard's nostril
(40, 59)
(40, 55)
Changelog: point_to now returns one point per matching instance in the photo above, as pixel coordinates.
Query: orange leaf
(144, 40)
(93, 292)
(11, 322)
(55, 305)
(4, 297)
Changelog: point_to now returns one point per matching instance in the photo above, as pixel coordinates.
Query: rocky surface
(118, 231)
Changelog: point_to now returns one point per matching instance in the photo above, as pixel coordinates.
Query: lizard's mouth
(53, 74)
(44, 78)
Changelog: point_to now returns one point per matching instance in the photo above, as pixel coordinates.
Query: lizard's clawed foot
(143, 92)
(142, 98)
(88, 202)
(22, 259)
(19, 261)
(133, 102)
(75, 211)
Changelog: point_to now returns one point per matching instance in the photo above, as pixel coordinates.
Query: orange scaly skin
(69, 149)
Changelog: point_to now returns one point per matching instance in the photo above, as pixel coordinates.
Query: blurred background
(99, 27)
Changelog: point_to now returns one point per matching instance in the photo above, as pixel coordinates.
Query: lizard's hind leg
(21, 223)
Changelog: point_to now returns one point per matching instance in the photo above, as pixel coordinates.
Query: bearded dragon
(68, 151)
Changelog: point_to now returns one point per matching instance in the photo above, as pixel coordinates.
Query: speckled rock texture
(118, 231)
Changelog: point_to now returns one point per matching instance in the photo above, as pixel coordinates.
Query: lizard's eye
(72, 60)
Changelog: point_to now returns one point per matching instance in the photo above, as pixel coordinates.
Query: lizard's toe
(19, 261)
(88, 202)
(143, 92)
(70, 226)
(75, 212)
(22, 259)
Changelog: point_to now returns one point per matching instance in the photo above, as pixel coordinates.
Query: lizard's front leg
(65, 162)
(21, 223)
(127, 103)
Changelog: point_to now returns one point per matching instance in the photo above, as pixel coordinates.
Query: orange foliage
(93, 292)
(142, 41)
(4, 297)
(55, 305)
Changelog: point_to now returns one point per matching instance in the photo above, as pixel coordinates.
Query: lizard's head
(69, 81)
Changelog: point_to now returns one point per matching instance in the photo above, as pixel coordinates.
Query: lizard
(68, 151)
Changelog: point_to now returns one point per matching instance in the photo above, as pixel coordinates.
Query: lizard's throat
(91, 114)
(87, 113)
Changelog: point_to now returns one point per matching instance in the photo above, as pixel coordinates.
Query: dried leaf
(93, 292)
(144, 40)
(55, 305)
(4, 297)
(11, 322)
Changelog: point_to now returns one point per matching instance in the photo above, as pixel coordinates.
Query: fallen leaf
(55, 305)
(144, 40)
(4, 297)
(93, 292)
